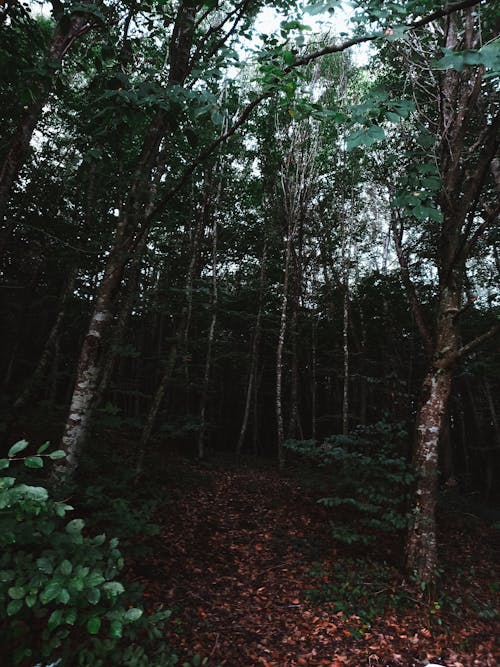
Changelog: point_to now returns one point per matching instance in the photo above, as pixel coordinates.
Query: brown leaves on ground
(233, 561)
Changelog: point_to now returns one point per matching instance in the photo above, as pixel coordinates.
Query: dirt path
(233, 562)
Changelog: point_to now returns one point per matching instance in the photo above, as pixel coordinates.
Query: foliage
(362, 589)
(370, 479)
(59, 586)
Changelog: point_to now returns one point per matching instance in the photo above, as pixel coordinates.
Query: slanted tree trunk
(42, 366)
(64, 38)
(132, 214)
(252, 374)
(181, 338)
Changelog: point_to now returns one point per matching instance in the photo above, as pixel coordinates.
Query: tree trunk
(19, 143)
(345, 340)
(50, 346)
(128, 234)
(255, 349)
(155, 407)
(314, 377)
(210, 340)
(89, 365)
(421, 547)
(279, 351)
(463, 176)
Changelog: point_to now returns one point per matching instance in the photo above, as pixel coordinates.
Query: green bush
(362, 589)
(369, 480)
(59, 593)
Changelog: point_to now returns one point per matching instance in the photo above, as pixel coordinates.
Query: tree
(461, 125)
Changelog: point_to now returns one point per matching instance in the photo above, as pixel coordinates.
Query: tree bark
(126, 239)
(19, 143)
(463, 178)
(50, 346)
(279, 353)
(210, 339)
(255, 350)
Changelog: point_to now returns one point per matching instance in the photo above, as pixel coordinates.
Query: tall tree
(465, 124)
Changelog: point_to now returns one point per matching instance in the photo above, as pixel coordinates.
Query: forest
(250, 324)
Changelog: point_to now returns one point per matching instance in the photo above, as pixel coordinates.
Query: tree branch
(148, 220)
(476, 342)
(410, 287)
(337, 48)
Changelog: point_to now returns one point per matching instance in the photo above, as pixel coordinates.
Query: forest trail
(233, 560)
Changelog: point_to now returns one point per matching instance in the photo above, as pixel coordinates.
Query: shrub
(369, 479)
(59, 594)
(362, 589)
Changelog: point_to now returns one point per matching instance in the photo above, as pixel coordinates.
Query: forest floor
(246, 562)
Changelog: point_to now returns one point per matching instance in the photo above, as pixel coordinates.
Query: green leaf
(70, 616)
(365, 137)
(4, 463)
(133, 614)
(75, 526)
(30, 600)
(64, 596)
(43, 448)
(76, 584)
(393, 117)
(115, 630)
(16, 592)
(13, 607)
(7, 575)
(93, 595)
(94, 579)
(33, 462)
(17, 447)
(58, 454)
(56, 618)
(51, 591)
(45, 565)
(93, 625)
(66, 568)
(289, 57)
(113, 588)
(35, 493)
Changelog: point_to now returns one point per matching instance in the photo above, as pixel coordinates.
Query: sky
(269, 19)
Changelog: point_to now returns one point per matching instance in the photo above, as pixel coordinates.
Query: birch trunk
(279, 354)
(128, 234)
(210, 342)
(294, 425)
(255, 349)
(345, 346)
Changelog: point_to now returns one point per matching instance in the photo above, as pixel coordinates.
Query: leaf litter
(234, 561)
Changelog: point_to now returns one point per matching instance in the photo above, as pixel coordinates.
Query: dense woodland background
(219, 240)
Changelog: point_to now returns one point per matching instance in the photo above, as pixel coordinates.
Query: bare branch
(397, 234)
(337, 48)
(476, 342)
